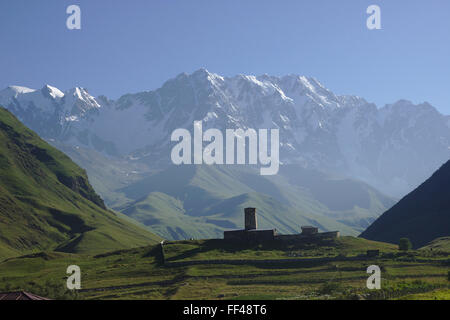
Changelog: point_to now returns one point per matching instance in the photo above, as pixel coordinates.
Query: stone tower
(250, 219)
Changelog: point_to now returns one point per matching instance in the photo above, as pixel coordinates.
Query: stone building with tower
(251, 233)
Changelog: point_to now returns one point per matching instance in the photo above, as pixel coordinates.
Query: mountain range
(393, 148)
(336, 151)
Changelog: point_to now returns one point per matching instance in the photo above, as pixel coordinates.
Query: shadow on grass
(231, 247)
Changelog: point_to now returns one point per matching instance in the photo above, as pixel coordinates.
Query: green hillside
(46, 201)
(166, 216)
(214, 269)
(202, 201)
(106, 174)
(439, 244)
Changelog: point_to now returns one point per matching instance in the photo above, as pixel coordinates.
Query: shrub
(399, 289)
(404, 244)
(330, 287)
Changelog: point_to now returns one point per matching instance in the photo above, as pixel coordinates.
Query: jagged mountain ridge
(393, 148)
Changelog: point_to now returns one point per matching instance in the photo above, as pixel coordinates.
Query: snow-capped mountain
(49, 111)
(394, 148)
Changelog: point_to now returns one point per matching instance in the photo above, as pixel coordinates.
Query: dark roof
(20, 295)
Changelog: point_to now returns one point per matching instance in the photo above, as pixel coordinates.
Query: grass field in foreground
(139, 273)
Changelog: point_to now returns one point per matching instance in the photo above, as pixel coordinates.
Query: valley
(343, 161)
(333, 270)
(224, 159)
(201, 201)
(112, 223)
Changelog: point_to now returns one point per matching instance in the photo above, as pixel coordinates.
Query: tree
(404, 244)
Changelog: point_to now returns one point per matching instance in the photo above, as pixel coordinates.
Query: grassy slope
(439, 244)
(212, 198)
(46, 201)
(138, 273)
(106, 174)
(223, 215)
(440, 294)
(217, 249)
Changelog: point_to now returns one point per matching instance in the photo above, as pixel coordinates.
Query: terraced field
(212, 269)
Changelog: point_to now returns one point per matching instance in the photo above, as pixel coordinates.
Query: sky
(136, 45)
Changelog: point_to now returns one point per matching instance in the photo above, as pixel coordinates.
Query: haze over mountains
(393, 148)
(201, 201)
(333, 150)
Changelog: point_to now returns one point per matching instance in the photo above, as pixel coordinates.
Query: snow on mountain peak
(317, 128)
(19, 89)
(14, 91)
(53, 92)
(82, 95)
(203, 74)
(353, 101)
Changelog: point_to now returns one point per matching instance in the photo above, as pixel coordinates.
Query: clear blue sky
(135, 45)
